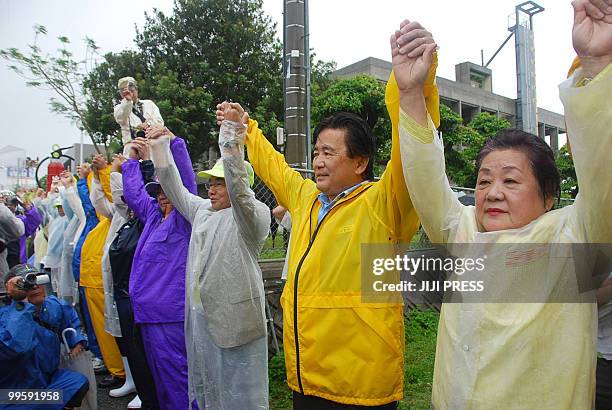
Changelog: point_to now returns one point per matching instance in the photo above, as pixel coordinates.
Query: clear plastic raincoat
(11, 228)
(67, 287)
(111, 211)
(224, 314)
(519, 355)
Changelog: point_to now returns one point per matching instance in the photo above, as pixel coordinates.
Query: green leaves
(462, 143)
(362, 95)
(58, 72)
(565, 164)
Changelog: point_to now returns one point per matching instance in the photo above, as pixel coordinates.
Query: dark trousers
(136, 357)
(603, 389)
(302, 402)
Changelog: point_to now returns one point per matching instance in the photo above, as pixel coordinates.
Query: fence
(275, 248)
(277, 242)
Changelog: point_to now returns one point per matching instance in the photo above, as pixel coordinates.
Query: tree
(225, 50)
(365, 96)
(565, 164)
(60, 73)
(462, 143)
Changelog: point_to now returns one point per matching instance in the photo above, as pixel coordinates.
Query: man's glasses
(214, 184)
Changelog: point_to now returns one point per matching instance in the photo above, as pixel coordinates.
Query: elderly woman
(225, 324)
(515, 355)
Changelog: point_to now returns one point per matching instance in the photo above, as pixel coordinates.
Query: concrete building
(470, 94)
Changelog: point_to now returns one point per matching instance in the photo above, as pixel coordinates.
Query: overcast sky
(345, 31)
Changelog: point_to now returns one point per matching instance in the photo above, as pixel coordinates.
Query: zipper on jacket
(295, 286)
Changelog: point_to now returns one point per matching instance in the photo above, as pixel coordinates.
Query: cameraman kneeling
(30, 329)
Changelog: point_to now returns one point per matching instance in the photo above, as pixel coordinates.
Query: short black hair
(541, 157)
(19, 270)
(360, 141)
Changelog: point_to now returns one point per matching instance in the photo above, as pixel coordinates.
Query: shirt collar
(326, 202)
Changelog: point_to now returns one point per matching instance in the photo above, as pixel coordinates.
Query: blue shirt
(327, 204)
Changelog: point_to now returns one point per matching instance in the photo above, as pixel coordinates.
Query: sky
(344, 31)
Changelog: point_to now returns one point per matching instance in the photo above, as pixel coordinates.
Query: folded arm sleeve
(287, 185)
(99, 200)
(88, 208)
(252, 219)
(134, 193)
(588, 115)
(31, 220)
(65, 204)
(425, 174)
(75, 203)
(178, 148)
(183, 200)
(116, 182)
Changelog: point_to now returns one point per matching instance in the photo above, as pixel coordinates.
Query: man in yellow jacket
(339, 350)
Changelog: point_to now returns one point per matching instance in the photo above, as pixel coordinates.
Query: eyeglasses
(214, 184)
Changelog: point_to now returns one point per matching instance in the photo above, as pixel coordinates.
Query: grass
(420, 331)
(273, 252)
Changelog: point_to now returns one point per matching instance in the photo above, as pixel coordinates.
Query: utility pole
(296, 67)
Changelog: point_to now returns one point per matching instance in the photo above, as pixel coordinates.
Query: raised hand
(66, 179)
(141, 145)
(127, 94)
(592, 34)
(83, 170)
(412, 49)
(157, 131)
(118, 161)
(234, 110)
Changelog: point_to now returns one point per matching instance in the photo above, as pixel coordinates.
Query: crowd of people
(164, 291)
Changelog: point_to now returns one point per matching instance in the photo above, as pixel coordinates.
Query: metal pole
(307, 63)
(81, 149)
(295, 83)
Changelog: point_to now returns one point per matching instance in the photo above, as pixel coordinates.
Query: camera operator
(11, 228)
(30, 332)
(132, 114)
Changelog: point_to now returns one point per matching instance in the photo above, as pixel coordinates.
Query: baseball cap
(125, 81)
(217, 171)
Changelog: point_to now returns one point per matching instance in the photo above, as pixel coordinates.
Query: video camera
(30, 280)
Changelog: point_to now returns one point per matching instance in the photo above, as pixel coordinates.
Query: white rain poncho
(56, 227)
(67, 287)
(225, 328)
(519, 355)
(116, 212)
(11, 228)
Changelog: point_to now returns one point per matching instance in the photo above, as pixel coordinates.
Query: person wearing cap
(133, 114)
(30, 330)
(157, 279)
(225, 321)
